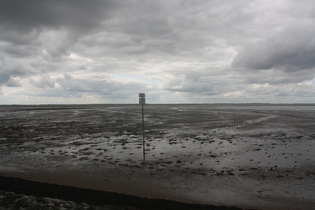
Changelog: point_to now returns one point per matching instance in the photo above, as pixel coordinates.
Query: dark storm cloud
(28, 15)
(52, 22)
(291, 50)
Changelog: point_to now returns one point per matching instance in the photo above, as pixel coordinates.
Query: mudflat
(248, 156)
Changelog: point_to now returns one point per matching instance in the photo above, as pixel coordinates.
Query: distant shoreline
(163, 104)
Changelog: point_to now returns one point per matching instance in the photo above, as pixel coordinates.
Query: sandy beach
(248, 156)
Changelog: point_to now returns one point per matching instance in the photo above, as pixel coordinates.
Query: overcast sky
(176, 51)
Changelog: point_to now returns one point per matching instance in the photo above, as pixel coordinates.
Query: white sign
(141, 98)
(141, 95)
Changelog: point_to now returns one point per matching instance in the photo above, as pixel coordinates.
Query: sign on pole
(142, 102)
(141, 98)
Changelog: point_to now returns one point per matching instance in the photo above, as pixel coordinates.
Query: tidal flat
(257, 156)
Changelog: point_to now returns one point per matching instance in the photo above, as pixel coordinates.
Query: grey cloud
(58, 44)
(275, 77)
(29, 14)
(271, 92)
(96, 86)
(187, 46)
(83, 67)
(144, 18)
(44, 81)
(293, 49)
(18, 51)
(11, 82)
(197, 82)
(17, 37)
(12, 69)
(25, 22)
(153, 28)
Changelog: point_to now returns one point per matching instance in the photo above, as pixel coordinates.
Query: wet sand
(250, 156)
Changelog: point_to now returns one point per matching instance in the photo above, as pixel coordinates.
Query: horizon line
(71, 104)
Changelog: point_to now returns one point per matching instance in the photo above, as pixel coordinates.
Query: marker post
(142, 102)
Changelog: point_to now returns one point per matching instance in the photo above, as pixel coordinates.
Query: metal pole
(142, 102)
(143, 135)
